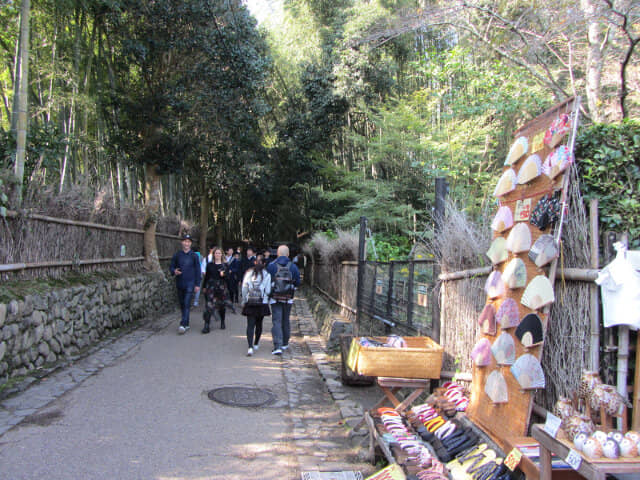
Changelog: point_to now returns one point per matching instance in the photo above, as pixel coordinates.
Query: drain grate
(242, 396)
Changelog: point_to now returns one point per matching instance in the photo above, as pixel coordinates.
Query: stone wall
(44, 328)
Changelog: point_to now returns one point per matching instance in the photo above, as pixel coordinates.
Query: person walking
(256, 287)
(186, 268)
(285, 278)
(234, 277)
(215, 290)
(196, 295)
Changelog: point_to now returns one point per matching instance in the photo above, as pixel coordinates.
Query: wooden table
(391, 385)
(590, 469)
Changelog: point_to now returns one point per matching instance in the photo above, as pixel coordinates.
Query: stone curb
(351, 411)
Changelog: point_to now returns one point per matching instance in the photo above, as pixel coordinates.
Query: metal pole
(361, 266)
(390, 295)
(410, 294)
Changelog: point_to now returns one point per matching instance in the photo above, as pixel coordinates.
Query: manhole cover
(242, 396)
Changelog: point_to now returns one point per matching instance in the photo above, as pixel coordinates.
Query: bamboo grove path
(137, 408)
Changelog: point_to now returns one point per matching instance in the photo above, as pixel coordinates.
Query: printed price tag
(573, 459)
(523, 210)
(537, 142)
(552, 425)
(513, 459)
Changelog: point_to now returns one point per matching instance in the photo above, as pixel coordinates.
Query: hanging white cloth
(620, 288)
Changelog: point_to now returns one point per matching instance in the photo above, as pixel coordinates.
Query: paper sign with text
(552, 425)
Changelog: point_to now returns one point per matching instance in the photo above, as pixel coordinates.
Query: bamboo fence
(41, 246)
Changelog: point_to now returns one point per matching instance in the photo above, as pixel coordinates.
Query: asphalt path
(148, 416)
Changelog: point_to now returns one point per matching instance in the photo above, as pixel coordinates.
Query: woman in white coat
(256, 287)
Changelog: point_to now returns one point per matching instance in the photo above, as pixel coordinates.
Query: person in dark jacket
(281, 305)
(216, 290)
(234, 277)
(186, 268)
(247, 262)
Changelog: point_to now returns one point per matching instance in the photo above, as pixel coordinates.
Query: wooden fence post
(362, 258)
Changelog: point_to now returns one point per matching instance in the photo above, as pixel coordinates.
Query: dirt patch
(43, 419)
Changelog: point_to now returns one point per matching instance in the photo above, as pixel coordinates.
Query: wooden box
(421, 359)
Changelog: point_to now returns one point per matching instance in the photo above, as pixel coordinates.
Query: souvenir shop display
(520, 288)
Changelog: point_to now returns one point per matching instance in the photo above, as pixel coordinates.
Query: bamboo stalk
(575, 274)
(67, 263)
(594, 305)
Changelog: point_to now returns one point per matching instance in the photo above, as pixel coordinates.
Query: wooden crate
(421, 359)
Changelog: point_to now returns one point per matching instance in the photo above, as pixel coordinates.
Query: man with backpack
(285, 277)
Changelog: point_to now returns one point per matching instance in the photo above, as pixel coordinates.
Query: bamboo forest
(318, 113)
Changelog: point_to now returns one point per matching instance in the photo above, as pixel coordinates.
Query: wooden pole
(361, 266)
(594, 304)
(623, 356)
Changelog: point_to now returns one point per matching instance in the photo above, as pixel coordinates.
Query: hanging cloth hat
(487, 319)
(517, 150)
(530, 169)
(503, 220)
(507, 183)
(557, 130)
(557, 161)
(498, 252)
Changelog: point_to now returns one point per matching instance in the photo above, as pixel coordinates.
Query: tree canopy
(329, 111)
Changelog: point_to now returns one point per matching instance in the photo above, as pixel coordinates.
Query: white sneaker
(195, 304)
(276, 351)
(256, 347)
(284, 347)
(187, 328)
(250, 352)
(181, 329)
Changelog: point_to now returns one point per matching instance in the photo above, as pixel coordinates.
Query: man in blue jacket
(285, 278)
(186, 268)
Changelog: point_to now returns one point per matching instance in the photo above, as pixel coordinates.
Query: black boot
(206, 327)
(222, 327)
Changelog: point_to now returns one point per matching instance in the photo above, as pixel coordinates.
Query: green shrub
(608, 159)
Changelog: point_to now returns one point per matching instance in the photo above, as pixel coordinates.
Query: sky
(261, 9)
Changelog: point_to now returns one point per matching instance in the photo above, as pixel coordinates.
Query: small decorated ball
(617, 436)
(611, 449)
(600, 436)
(592, 448)
(579, 440)
(633, 436)
(628, 448)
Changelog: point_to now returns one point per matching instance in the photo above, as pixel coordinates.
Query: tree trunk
(22, 103)
(151, 209)
(205, 209)
(594, 59)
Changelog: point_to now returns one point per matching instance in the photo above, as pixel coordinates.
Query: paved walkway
(137, 408)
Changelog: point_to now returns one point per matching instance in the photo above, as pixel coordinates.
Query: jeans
(281, 328)
(184, 297)
(254, 324)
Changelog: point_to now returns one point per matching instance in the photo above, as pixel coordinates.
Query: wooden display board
(511, 419)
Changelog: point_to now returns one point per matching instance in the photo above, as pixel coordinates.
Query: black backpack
(282, 287)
